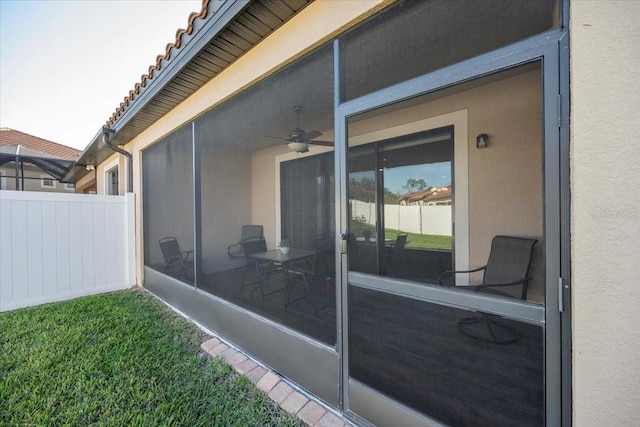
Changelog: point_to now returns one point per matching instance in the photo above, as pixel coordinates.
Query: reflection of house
(34, 164)
(435, 196)
(399, 83)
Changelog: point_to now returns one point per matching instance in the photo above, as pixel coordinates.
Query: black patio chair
(395, 252)
(249, 233)
(506, 274)
(175, 260)
(261, 269)
(315, 272)
(303, 274)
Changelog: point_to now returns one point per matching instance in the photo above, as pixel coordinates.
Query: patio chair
(506, 274)
(396, 252)
(249, 233)
(174, 259)
(261, 269)
(303, 273)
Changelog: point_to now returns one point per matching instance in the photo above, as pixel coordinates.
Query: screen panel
(167, 180)
(442, 362)
(428, 35)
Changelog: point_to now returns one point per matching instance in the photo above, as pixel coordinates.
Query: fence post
(130, 238)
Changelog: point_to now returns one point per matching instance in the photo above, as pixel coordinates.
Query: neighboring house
(29, 163)
(263, 112)
(435, 196)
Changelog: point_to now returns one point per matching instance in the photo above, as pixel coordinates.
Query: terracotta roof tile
(435, 193)
(14, 137)
(158, 65)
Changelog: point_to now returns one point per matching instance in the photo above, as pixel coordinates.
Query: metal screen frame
(545, 47)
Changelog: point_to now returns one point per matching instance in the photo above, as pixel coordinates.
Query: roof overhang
(229, 29)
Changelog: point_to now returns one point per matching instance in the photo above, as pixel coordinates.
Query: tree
(415, 185)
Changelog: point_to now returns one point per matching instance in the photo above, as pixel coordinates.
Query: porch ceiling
(221, 33)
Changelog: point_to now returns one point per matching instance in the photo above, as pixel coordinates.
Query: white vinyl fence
(55, 247)
(435, 220)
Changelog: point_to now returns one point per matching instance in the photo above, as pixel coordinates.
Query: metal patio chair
(249, 233)
(313, 272)
(506, 274)
(175, 260)
(302, 274)
(261, 269)
(396, 252)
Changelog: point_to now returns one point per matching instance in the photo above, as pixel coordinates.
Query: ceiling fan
(298, 139)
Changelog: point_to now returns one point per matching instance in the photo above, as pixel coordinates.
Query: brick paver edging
(286, 395)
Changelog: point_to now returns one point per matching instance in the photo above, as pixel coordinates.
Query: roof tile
(158, 65)
(9, 137)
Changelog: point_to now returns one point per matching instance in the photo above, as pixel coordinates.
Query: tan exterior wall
(116, 160)
(87, 183)
(263, 191)
(605, 211)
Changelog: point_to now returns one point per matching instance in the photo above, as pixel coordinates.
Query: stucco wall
(605, 211)
(263, 191)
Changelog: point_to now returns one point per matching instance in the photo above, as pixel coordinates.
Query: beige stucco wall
(86, 183)
(605, 211)
(263, 191)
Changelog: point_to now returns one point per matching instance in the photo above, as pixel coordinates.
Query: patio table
(275, 256)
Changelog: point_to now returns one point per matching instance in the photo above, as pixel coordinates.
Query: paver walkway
(287, 396)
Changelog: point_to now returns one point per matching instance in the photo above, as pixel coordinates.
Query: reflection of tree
(365, 182)
(390, 197)
(358, 193)
(415, 185)
(363, 189)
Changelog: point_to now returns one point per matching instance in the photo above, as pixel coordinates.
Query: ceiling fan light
(298, 147)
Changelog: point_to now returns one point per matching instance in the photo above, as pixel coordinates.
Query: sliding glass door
(401, 197)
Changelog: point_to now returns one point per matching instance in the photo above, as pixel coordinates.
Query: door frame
(549, 48)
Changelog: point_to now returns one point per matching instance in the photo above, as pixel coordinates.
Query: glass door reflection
(401, 197)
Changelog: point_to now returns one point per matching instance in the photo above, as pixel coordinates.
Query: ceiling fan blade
(325, 143)
(312, 134)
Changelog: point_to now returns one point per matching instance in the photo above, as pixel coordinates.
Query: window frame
(46, 178)
(109, 185)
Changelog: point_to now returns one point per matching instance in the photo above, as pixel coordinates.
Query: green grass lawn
(414, 240)
(422, 241)
(120, 359)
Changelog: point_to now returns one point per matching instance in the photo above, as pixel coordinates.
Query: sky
(65, 66)
(435, 175)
